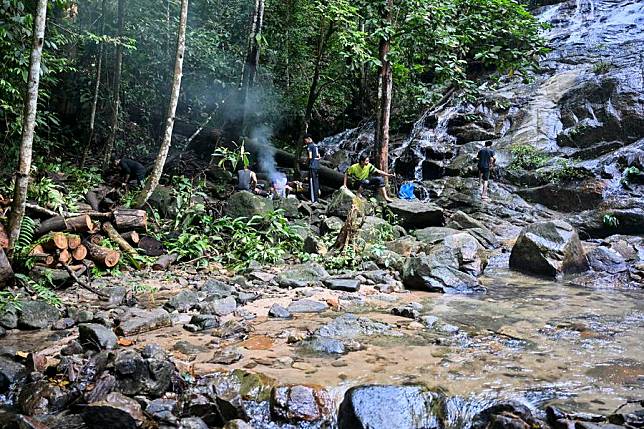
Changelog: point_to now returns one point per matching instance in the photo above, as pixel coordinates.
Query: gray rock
(62, 324)
(136, 321)
(325, 345)
(204, 321)
(9, 318)
(279, 312)
(3, 332)
(348, 285)
(37, 315)
(227, 356)
(162, 410)
(290, 206)
(307, 306)
(245, 297)
(117, 410)
(350, 326)
(331, 225)
(301, 403)
(215, 289)
(302, 275)
(406, 311)
(219, 307)
(550, 249)
(73, 348)
(607, 260)
(183, 301)
(11, 372)
(341, 202)
(246, 204)
(417, 214)
(433, 234)
(97, 337)
(192, 423)
(400, 407)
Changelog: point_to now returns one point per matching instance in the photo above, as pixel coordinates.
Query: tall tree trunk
(155, 176)
(314, 90)
(385, 89)
(118, 64)
(28, 126)
(252, 58)
(97, 86)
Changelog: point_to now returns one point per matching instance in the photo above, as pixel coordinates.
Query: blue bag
(406, 191)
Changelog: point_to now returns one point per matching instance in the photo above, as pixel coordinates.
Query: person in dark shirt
(486, 162)
(313, 156)
(130, 169)
(247, 180)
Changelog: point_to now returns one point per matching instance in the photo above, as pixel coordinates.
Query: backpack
(406, 191)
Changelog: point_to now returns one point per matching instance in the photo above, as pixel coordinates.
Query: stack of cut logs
(74, 243)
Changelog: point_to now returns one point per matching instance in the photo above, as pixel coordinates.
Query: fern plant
(42, 290)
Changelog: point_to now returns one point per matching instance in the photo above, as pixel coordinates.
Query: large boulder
(11, 372)
(417, 214)
(137, 321)
(571, 197)
(549, 249)
(300, 403)
(302, 275)
(376, 229)
(290, 206)
(37, 315)
(342, 200)
(400, 407)
(95, 336)
(451, 263)
(247, 204)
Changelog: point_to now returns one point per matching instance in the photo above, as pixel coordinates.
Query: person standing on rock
(361, 175)
(313, 156)
(486, 162)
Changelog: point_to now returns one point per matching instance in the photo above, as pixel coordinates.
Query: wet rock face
(549, 249)
(10, 373)
(507, 415)
(246, 204)
(567, 197)
(297, 403)
(136, 321)
(401, 407)
(451, 262)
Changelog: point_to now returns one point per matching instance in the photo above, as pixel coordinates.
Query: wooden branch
(84, 285)
(113, 234)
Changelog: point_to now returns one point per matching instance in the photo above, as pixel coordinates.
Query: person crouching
(361, 175)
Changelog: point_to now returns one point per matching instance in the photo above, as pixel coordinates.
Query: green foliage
(46, 193)
(232, 156)
(602, 67)
(190, 246)
(9, 299)
(564, 171)
(610, 220)
(526, 157)
(42, 289)
(629, 173)
(24, 244)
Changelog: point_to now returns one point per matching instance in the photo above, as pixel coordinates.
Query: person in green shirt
(361, 176)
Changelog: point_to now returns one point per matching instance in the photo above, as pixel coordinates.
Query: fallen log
(79, 253)
(73, 241)
(102, 255)
(96, 239)
(55, 241)
(115, 237)
(127, 219)
(81, 223)
(131, 237)
(164, 262)
(41, 256)
(6, 272)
